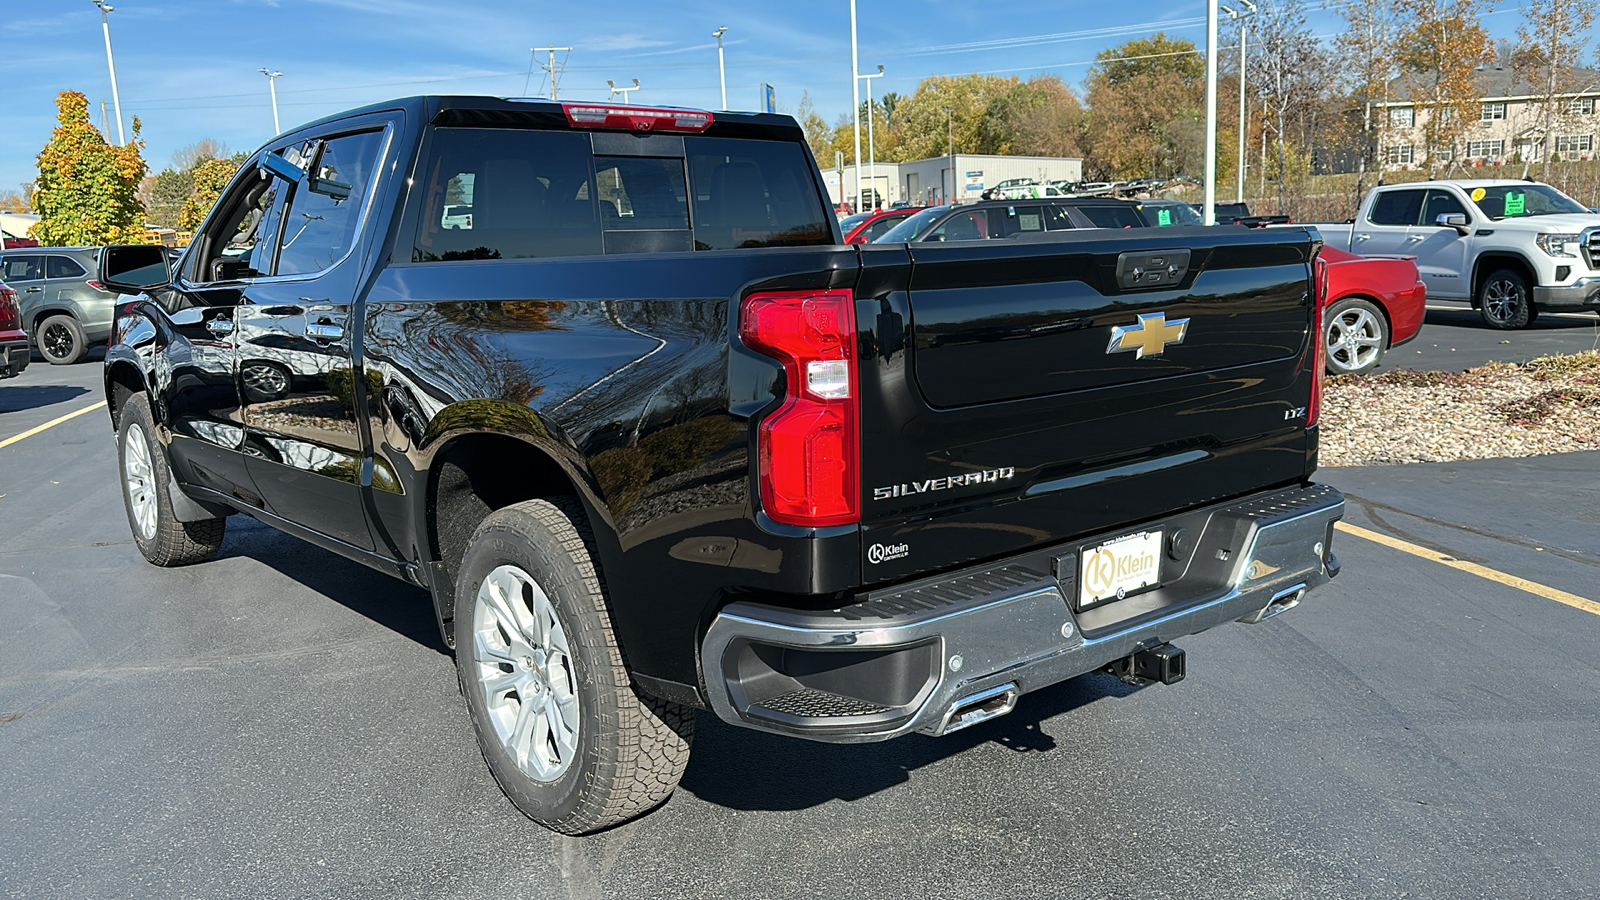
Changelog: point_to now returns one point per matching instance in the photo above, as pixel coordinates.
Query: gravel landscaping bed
(1547, 405)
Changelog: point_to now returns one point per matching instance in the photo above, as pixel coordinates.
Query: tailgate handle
(1151, 269)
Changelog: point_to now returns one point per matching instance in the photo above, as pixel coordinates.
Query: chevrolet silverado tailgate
(1016, 393)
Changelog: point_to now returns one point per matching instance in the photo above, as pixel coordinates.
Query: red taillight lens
(1319, 340)
(635, 118)
(10, 315)
(95, 284)
(809, 449)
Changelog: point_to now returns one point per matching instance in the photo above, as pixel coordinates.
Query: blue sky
(188, 68)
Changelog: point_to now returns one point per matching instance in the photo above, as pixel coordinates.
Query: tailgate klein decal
(987, 476)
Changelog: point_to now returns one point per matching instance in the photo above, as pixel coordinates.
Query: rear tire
(566, 736)
(146, 479)
(1504, 301)
(61, 341)
(1355, 335)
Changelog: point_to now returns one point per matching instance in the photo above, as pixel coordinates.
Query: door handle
(33, 290)
(220, 327)
(1415, 237)
(324, 331)
(1363, 237)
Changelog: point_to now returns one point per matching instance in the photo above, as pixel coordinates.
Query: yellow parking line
(1521, 584)
(50, 424)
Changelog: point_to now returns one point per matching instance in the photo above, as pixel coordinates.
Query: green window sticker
(1515, 203)
(1163, 217)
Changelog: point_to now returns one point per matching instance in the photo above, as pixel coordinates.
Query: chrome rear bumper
(961, 647)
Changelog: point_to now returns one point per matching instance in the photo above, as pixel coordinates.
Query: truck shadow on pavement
(400, 607)
(750, 770)
(33, 396)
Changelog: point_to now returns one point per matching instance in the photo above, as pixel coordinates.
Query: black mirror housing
(134, 268)
(277, 167)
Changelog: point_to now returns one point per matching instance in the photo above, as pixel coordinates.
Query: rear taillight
(10, 316)
(1318, 339)
(809, 450)
(95, 284)
(635, 118)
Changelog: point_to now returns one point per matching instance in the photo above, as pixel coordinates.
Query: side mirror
(134, 268)
(1458, 221)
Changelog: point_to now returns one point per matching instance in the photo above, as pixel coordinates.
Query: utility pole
(272, 83)
(872, 153)
(1247, 12)
(116, 102)
(950, 138)
(624, 91)
(855, 102)
(551, 68)
(105, 121)
(1211, 113)
(722, 72)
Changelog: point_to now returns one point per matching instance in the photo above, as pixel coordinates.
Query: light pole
(624, 91)
(272, 84)
(722, 72)
(116, 102)
(1240, 16)
(855, 100)
(1211, 113)
(872, 153)
(950, 137)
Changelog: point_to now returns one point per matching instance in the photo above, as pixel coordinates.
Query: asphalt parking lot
(1453, 338)
(282, 723)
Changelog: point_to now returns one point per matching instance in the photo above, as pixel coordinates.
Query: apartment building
(1509, 126)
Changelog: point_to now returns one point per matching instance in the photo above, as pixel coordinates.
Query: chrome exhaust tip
(979, 707)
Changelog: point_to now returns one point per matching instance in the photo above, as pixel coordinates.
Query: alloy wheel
(1502, 299)
(1355, 338)
(139, 481)
(522, 667)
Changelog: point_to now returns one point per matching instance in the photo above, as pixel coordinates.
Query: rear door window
(63, 267)
(1018, 220)
(751, 193)
(20, 268)
(1397, 208)
(1113, 216)
(1057, 218)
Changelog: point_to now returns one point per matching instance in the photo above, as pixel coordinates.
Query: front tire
(61, 341)
(566, 736)
(1504, 301)
(1355, 334)
(146, 479)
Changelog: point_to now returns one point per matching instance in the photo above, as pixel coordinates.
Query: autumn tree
(1144, 98)
(210, 177)
(926, 130)
(1440, 47)
(1040, 117)
(87, 192)
(13, 202)
(816, 128)
(1367, 47)
(1551, 39)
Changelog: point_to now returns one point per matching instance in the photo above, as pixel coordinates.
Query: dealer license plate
(1119, 567)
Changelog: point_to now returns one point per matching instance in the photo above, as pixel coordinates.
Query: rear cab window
(523, 194)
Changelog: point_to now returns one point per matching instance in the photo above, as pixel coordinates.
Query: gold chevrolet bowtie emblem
(1149, 337)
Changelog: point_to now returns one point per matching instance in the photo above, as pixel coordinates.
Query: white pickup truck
(1510, 248)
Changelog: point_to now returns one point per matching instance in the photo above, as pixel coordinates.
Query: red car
(13, 340)
(1373, 303)
(12, 242)
(866, 227)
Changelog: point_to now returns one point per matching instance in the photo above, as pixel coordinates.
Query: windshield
(849, 222)
(909, 229)
(1515, 201)
(1160, 214)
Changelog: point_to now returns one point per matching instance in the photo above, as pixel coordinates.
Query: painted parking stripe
(1521, 584)
(50, 424)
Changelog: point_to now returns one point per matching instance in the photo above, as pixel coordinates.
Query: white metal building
(928, 181)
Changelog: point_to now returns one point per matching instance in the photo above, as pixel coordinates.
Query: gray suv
(64, 310)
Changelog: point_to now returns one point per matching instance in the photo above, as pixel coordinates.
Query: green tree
(170, 192)
(87, 192)
(210, 177)
(816, 128)
(1143, 98)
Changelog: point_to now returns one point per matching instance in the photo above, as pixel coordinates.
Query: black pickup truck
(607, 382)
